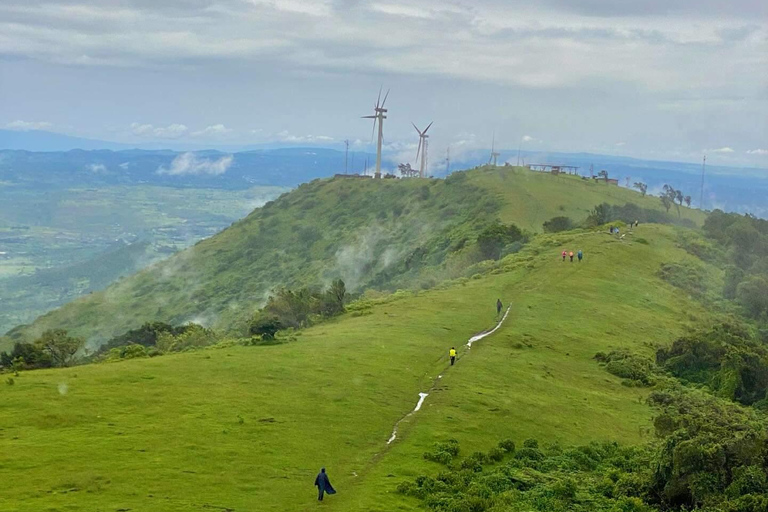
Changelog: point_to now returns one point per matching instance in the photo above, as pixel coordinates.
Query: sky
(655, 79)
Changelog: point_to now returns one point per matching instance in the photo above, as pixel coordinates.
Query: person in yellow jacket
(452, 353)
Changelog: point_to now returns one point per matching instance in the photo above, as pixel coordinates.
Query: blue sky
(653, 79)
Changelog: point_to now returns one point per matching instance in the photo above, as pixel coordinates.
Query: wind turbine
(379, 115)
(494, 154)
(423, 145)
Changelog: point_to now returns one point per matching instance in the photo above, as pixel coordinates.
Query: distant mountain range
(99, 163)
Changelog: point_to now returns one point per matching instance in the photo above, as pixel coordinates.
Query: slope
(384, 233)
(246, 428)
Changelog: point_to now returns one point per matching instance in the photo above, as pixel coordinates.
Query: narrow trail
(423, 396)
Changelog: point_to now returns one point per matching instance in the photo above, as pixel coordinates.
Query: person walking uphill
(323, 485)
(571, 255)
(580, 255)
(499, 305)
(452, 354)
(564, 255)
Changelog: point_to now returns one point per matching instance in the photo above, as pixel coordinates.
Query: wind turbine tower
(494, 154)
(379, 115)
(423, 146)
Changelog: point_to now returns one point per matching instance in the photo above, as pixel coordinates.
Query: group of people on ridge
(579, 255)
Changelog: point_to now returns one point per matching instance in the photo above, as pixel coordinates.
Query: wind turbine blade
(373, 130)
(427, 128)
(379, 98)
(417, 129)
(368, 117)
(385, 98)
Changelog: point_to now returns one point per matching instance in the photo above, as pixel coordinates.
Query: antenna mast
(346, 157)
(701, 197)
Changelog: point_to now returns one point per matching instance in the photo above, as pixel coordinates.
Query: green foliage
(629, 213)
(752, 294)
(495, 237)
(60, 347)
(726, 357)
(194, 336)
(629, 366)
(558, 224)
(443, 453)
(265, 326)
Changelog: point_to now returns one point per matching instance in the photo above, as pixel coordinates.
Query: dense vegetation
(709, 455)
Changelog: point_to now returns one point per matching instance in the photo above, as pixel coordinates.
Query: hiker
(499, 305)
(452, 353)
(580, 255)
(564, 255)
(637, 222)
(610, 230)
(571, 255)
(323, 484)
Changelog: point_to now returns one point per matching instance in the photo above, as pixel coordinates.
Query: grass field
(247, 428)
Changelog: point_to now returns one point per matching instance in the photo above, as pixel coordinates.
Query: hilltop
(384, 234)
(240, 428)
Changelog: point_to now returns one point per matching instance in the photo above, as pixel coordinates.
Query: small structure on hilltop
(603, 176)
(553, 168)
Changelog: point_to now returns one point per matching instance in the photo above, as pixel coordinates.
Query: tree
(679, 196)
(334, 298)
(557, 224)
(599, 215)
(642, 187)
(666, 201)
(603, 174)
(59, 346)
(266, 326)
(753, 295)
(406, 171)
(493, 239)
(687, 200)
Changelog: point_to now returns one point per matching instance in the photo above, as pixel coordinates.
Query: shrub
(10, 381)
(507, 445)
(685, 275)
(558, 224)
(628, 366)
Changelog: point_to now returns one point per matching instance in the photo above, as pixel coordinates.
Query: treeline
(710, 456)
(298, 308)
(744, 239)
(605, 213)
(55, 348)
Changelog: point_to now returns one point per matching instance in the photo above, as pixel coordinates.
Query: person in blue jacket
(323, 484)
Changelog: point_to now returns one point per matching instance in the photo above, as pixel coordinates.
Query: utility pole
(346, 157)
(701, 197)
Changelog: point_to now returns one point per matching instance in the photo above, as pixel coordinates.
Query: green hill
(385, 234)
(246, 428)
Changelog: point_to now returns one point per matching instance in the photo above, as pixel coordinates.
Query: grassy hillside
(387, 234)
(247, 428)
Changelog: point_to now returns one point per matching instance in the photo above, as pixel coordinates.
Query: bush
(495, 237)
(558, 224)
(685, 275)
(507, 445)
(628, 366)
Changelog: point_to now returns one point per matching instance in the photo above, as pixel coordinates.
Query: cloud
(124, 165)
(286, 136)
(216, 130)
(723, 150)
(620, 144)
(189, 164)
(173, 131)
(761, 152)
(24, 126)
(97, 168)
